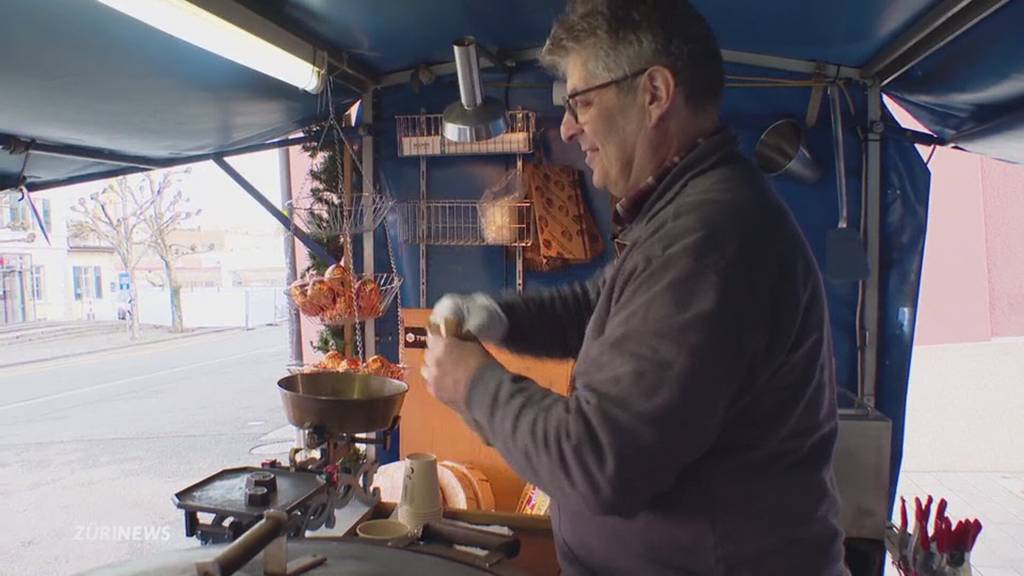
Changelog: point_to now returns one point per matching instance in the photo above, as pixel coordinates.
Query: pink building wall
(954, 300)
(1003, 192)
(972, 282)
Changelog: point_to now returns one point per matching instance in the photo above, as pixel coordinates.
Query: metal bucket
(342, 402)
(781, 150)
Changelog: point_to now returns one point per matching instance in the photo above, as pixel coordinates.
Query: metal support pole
(870, 327)
(308, 242)
(370, 326)
(520, 276)
(294, 322)
(348, 258)
(422, 231)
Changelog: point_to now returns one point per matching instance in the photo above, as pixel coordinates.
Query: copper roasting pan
(341, 402)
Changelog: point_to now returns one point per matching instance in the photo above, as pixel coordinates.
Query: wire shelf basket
(466, 223)
(330, 218)
(364, 301)
(422, 135)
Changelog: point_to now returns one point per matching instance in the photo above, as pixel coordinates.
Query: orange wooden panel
(430, 426)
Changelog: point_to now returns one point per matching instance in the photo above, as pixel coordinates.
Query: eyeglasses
(569, 99)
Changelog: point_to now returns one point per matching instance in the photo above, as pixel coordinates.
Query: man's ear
(659, 89)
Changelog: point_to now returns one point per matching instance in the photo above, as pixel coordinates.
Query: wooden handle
(248, 545)
(508, 546)
(517, 522)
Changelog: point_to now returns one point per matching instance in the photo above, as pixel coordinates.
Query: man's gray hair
(619, 37)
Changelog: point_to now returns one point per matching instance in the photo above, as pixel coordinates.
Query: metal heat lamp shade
(473, 118)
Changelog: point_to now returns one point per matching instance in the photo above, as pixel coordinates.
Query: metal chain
(398, 295)
(346, 212)
(346, 223)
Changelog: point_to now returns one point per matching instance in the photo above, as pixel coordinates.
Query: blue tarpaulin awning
(75, 72)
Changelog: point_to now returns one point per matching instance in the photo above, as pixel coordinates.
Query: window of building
(38, 283)
(77, 281)
(43, 204)
(97, 276)
(17, 215)
(87, 282)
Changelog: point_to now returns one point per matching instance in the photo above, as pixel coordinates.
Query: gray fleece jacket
(699, 436)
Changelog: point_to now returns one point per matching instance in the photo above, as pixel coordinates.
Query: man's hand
(449, 366)
(476, 313)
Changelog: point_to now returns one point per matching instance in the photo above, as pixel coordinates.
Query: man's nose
(569, 129)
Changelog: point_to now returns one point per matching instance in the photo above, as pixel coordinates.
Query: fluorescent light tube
(231, 31)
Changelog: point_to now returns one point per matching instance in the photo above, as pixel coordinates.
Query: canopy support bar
(942, 24)
(141, 164)
(260, 199)
(791, 65)
(986, 129)
(736, 57)
(914, 136)
(15, 144)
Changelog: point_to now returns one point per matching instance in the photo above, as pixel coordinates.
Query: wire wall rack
(466, 223)
(362, 214)
(422, 135)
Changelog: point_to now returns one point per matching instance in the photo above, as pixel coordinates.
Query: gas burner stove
(322, 475)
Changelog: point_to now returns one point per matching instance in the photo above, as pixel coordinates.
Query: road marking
(286, 432)
(94, 387)
(132, 350)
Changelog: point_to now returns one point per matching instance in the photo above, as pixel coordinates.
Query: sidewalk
(996, 498)
(46, 341)
(962, 443)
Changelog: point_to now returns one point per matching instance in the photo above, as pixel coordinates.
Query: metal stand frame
(520, 276)
(370, 326)
(294, 321)
(870, 326)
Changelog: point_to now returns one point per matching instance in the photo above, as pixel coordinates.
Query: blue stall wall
(748, 111)
(906, 183)
(466, 269)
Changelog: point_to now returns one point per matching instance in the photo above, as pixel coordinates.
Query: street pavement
(93, 447)
(45, 341)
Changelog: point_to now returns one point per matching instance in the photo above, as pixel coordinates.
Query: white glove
(476, 313)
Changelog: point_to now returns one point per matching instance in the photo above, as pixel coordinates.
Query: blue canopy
(78, 73)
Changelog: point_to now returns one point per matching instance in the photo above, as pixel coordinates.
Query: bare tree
(115, 216)
(166, 214)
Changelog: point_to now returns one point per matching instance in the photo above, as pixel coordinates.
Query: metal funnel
(781, 150)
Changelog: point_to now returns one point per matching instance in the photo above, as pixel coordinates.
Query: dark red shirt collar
(627, 209)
